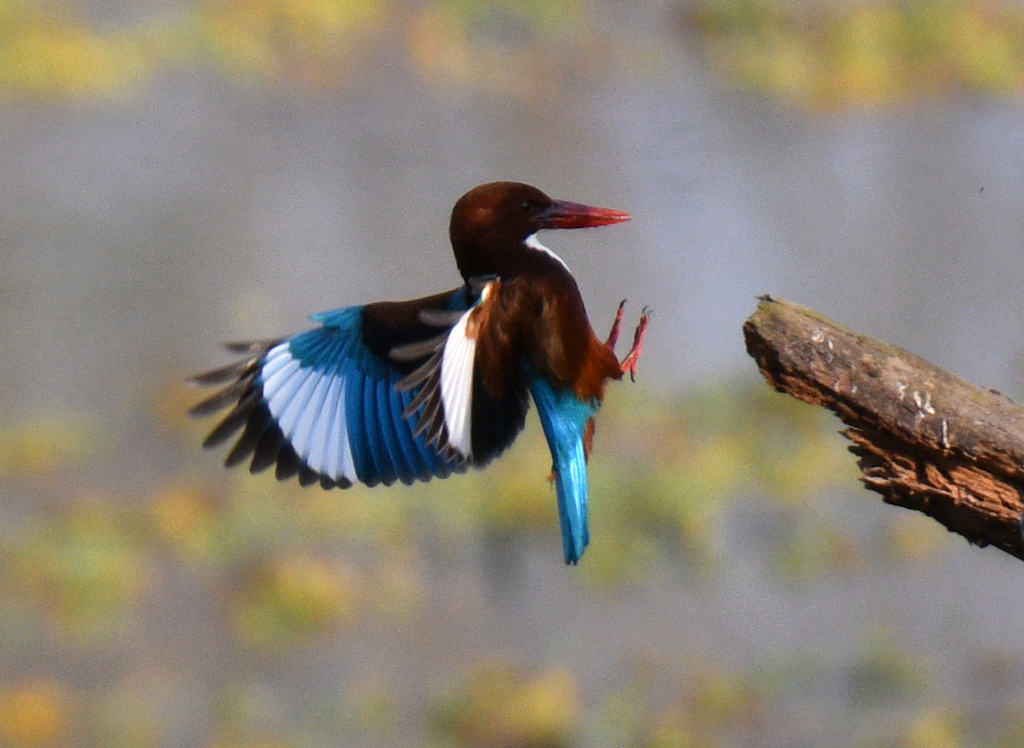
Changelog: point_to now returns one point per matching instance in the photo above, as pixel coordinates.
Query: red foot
(632, 359)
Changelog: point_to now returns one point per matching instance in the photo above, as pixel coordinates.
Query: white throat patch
(534, 243)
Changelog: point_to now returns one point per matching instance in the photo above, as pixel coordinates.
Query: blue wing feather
(346, 318)
(333, 402)
(352, 419)
(324, 402)
(371, 422)
(563, 416)
(410, 456)
(383, 447)
(392, 452)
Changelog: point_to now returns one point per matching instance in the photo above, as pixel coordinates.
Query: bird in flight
(412, 390)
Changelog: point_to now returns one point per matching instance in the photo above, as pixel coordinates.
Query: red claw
(631, 361)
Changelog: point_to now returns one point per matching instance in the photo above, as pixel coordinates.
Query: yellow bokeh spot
(913, 538)
(934, 728)
(544, 709)
(294, 598)
(34, 715)
(43, 445)
(438, 45)
(186, 518)
(499, 706)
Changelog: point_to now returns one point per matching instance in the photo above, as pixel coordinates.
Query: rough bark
(925, 439)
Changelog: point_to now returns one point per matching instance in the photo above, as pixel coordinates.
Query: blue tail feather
(564, 417)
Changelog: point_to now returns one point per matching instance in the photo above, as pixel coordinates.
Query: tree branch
(926, 439)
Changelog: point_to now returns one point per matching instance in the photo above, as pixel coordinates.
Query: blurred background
(177, 173)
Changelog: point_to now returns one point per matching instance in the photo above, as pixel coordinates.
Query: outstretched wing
(378, 393)
(565, 418)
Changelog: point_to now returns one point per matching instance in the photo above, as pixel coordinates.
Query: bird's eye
(530, 207)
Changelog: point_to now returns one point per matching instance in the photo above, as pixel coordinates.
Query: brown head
(491, 224)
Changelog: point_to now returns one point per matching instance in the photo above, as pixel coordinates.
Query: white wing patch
(306, 418)
(309, 407)
(337, 459)
(277, 357)
(534, 243)
(457, 364)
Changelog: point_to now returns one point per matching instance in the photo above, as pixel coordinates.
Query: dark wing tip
(253, 352)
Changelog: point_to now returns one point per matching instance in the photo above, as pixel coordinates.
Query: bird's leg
(613, 336)
(629, 363)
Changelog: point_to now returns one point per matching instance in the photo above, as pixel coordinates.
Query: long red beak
(565, 215)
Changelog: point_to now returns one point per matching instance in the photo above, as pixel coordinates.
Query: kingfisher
(413, 390)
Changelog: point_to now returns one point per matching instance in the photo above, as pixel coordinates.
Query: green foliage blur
(823, 55)
(272, 573)
(52, 50)
(863, 54)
